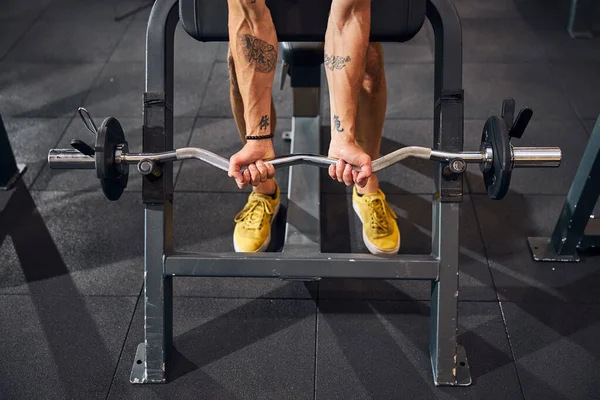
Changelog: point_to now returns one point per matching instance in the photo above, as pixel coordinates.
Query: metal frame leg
(570, 231)
(581, 18)
(10, 171)
(150, 365)
(303, 227)
(448, 359)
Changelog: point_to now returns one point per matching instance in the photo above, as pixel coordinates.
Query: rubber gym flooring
(71, 262)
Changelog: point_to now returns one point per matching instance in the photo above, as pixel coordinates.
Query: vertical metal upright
(302, 232)
(576, 228)
(449, 363)
(581, 16)
(153, 355)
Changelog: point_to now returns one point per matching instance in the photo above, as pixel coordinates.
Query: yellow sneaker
(380, 230)
(252, 231)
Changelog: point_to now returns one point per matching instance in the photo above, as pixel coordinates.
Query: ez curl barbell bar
(497, 157)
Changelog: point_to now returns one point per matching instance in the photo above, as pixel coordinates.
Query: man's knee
(374, 67)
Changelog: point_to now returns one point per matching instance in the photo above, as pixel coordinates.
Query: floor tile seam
(511, 348)
(189, 296)
(85, 98)
(116, 46)
(56, 144)
(563, 90)
(195, 117)
(79, 295)
(139, 296)
(25, 32)
(195, 122)
(484, 247)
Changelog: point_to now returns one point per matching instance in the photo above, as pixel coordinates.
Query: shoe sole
(370, 246)
(265, 245)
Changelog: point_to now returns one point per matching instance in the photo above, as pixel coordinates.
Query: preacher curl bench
(299, 25)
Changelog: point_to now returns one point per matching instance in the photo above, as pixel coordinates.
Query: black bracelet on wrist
(260, 137)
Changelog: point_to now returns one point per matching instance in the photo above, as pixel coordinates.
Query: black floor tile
(222, 52)
(61, 347)
(558, 45)
(416, 50)
(85, 180)
(590, 124)
(82, 242)
(68, 42)
(569, 136)
(496, 40)
(22, 10)
(40, 90)
(31, 139)
(187, 50)
(217, 104)
(531, 85)
(556, 349)
(505, 226)
(221, 136)
(580, 81)
(225, 348)
(120, 88)
(10, 32)
(381, 350)
(486, 9)
(91, 10)
(204, 223)
(341, 233)
(549, 14)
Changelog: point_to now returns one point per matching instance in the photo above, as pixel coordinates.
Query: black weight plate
(112, 177)
(497, 179)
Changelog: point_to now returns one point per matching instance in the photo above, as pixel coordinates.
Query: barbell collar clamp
(146, 167)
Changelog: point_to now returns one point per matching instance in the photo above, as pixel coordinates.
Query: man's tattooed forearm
(337, 124)
(336, 62)
(264, 122)
(259, 53)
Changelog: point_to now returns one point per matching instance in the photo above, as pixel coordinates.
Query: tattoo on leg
(264, 122)
(336, 62)
(337, 124)
(259, 53)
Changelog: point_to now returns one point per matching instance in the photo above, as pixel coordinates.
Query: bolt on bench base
(463, 371)
(138, 370)
(543, 250)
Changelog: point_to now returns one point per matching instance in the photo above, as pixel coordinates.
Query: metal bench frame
(301, 257)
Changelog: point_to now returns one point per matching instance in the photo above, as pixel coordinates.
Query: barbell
(497, 157)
